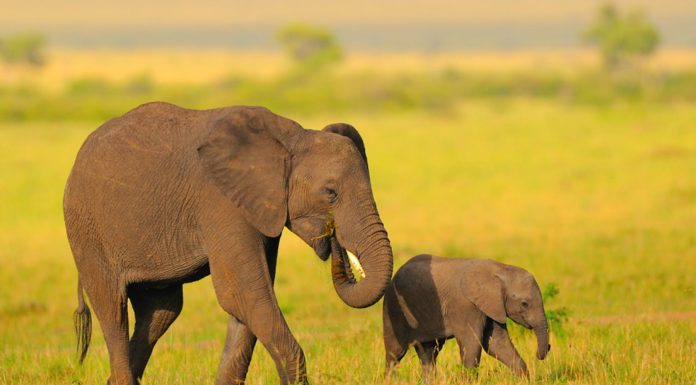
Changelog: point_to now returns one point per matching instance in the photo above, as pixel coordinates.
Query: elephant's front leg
(497, 343)
(244, 288)
(240, 341)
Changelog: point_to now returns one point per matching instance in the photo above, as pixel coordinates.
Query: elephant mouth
(323, 243)
(327, 243)
(322, 247)
(521, 320)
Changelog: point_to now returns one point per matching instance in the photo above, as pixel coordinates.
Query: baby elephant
(432, 299)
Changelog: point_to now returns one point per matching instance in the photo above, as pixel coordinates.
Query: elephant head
(502, 291)
(315, 183)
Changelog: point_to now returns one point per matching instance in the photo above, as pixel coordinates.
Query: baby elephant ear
(350, 132)
(250, 166)
(483, 287)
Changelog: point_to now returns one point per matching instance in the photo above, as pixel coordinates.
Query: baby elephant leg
(394, 348)
(470, 353)
(395, 352)
(469, 350)
(427, 354)
(497, 343)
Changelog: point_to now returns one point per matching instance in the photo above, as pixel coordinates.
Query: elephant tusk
(355, 263)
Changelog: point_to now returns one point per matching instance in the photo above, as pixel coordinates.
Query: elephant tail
(82, 318)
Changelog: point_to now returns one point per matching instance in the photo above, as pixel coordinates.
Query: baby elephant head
(502, 291)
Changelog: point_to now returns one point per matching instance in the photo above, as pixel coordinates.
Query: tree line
(624, 39)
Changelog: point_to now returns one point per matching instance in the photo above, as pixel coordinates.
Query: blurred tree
(622, 38)
(311, 47)
(23, 48)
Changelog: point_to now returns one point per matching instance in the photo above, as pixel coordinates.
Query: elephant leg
(469, 353)
(236, 357)
(267, 323)
(469, 350)
(427, 354)
(155, 310)
(393, 347)
(240, 341)
(392, 360)
(244, 289)
(469, 334)
(498, 344)
(111, 308)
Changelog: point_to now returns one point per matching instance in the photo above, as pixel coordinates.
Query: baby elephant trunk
(542, 334)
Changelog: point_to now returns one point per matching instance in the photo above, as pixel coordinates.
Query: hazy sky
(71, 13)
(391, 23)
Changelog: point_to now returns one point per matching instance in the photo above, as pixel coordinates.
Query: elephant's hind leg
(110, 306)
(393, 323)
(239, 346)
(395, 351)
(155, 310)
(427, 353)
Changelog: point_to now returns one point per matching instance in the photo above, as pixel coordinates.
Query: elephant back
(140, 169)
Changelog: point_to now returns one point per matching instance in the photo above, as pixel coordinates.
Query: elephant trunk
(376, 260)
(542, 334)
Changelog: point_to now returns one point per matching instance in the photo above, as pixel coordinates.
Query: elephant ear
(483, 286)
(250, 166)
(350, 132)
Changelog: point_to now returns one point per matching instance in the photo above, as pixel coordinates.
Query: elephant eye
(525, 304)
(331, 193)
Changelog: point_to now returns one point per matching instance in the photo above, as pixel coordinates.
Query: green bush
(622, 38)
(441, 91)
(23, 48)
(558, 316)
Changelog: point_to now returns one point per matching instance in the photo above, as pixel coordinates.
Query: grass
(599, 200)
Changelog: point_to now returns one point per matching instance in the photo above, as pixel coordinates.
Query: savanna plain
(597, 199)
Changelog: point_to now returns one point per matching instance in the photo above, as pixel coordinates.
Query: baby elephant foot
(521, 371)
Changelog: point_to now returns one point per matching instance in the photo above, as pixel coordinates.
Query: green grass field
(599, 200)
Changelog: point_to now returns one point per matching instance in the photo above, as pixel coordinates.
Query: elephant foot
(133, 381)
(299, 380)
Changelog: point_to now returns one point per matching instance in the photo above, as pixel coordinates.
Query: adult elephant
(162, 196)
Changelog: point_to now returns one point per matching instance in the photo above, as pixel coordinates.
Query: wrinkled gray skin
(163, 196)
(432, 299)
